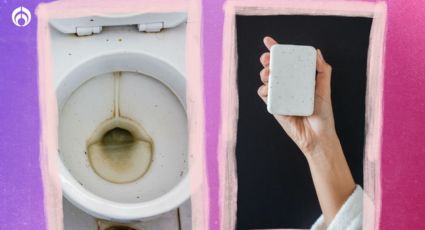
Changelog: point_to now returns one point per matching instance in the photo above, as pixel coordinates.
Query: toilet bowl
(122, 114)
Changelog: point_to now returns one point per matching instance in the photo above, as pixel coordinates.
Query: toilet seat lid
(71, 25)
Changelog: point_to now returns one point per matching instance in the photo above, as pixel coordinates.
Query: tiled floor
(179, 219)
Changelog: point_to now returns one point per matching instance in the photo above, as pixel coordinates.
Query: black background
(275, 189)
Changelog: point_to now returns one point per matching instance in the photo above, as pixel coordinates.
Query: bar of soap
(292, 80)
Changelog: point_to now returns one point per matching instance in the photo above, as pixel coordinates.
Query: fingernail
(320, 55)
(265, 39)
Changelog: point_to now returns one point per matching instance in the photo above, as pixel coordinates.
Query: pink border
(374, 95)
(48, 107)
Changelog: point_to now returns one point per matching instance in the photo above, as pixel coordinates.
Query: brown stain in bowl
(120, 150)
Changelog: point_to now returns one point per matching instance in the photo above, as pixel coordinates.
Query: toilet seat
(152, 59)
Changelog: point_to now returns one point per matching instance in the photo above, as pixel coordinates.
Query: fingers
(265, 59)
(264, 75)
(263, 92)
(321, 65)
(324, 72)
(269, 42)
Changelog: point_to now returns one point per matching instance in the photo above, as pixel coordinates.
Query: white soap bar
(292, 80)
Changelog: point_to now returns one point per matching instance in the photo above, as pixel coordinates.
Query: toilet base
(178, 219)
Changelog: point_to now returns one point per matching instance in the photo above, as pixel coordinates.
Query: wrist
(326, 146)
(331, 176)
(328, 159)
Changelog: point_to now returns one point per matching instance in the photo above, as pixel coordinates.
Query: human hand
(312, 132)
(315, 135)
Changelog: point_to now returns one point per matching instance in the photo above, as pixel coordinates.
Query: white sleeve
(349, 217)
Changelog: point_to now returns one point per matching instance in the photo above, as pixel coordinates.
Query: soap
(292, 80)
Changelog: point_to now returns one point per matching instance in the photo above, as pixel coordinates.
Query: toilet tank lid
(145, 22)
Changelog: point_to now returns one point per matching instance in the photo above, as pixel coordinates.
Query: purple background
(403, 153)
(212, 39)
(21, 194)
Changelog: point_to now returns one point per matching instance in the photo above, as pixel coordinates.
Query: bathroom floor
(179, 219)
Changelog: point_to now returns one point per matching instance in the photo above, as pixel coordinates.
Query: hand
(315, 135)
(309, 133)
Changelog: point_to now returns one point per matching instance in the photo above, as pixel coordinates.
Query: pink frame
(374, 94)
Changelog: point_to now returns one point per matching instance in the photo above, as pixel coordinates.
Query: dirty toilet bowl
(120, 85)
(150, 95)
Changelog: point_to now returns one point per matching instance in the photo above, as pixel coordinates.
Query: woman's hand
(315, 135)
(315, 130)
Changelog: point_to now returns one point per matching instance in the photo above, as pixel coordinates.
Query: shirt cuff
(349, 216)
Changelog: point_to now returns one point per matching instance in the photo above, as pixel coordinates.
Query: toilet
(122, 133)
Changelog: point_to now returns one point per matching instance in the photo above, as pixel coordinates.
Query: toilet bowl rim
(85, 69)
(103, 208)
(116, 211)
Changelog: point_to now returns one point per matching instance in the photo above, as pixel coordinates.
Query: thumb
(323, 80)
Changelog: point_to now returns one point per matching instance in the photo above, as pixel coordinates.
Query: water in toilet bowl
(119, 156)
(112, 143)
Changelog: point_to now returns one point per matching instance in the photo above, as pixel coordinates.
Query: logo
(21, 16)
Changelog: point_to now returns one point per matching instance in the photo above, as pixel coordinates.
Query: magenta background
(403, 147)
(403, 153)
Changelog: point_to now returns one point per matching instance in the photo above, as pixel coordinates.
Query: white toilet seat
(166, 67)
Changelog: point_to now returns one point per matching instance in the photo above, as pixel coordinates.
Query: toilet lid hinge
(151, 27)
(90, 25)
(88, 30)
